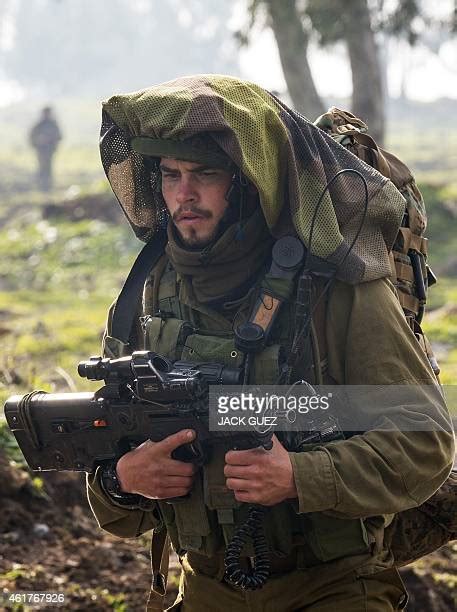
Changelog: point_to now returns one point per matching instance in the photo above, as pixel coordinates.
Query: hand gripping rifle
(145, 397)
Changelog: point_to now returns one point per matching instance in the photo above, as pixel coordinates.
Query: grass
(9, 445)
(53, 306)
(72, 166)
(430, 153)
(73, 590)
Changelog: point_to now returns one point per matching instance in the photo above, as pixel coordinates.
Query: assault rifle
(145, 397)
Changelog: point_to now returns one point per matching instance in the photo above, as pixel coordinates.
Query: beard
(192, 238)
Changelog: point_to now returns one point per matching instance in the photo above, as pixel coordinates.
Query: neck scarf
(226, 265)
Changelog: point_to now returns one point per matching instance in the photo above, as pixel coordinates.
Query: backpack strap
(312, 348)
(158, 273)
(318, 334)
(125, 309)
(378, 160)
(160, 554)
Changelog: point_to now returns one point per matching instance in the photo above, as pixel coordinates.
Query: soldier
(223, 168)
(44, 138)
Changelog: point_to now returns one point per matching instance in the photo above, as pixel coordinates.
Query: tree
(350, 21)
(293, 24)
(418, 23)
(292, 40)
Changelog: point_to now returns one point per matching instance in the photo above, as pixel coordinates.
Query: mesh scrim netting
(136, 184)
(287, 158)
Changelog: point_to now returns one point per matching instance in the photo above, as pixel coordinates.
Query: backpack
(419, 531)
(411, 274)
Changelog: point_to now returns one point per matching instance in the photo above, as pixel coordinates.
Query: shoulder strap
(125, 308)
(318, 334)
(160, 551)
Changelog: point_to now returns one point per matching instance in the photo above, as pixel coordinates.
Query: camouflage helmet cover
(287, 158)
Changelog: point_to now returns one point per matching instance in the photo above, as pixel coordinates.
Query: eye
(169, 176)
(210, 175)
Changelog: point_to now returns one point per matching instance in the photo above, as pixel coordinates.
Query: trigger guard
(189, 453)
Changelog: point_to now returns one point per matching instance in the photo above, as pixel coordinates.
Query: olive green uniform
(327, 546)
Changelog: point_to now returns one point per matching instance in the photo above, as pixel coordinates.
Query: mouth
(189, 218)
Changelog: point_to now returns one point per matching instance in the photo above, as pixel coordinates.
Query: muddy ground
(49, 541)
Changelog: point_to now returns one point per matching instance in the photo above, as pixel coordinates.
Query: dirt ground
(49, 541)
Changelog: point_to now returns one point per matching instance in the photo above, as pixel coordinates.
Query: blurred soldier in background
(44, 138)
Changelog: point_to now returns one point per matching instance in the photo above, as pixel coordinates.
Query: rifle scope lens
(93, 369)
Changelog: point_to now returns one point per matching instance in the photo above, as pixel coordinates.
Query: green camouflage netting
(288, 159)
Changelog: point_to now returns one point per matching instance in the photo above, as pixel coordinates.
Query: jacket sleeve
(119, 521)
(408, 451)
(116, 520)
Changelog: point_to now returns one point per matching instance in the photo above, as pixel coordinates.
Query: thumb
(177, 439)
(277, 445)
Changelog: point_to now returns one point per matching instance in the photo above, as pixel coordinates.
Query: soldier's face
(195, 198)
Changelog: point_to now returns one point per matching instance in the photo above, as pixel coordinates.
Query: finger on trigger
(174, 441)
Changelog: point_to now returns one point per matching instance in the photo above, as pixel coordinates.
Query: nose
(186, 192)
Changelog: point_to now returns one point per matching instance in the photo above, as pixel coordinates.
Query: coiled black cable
(253, 529)
(24, 409)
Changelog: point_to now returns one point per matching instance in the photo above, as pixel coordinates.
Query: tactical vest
(173, 324)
